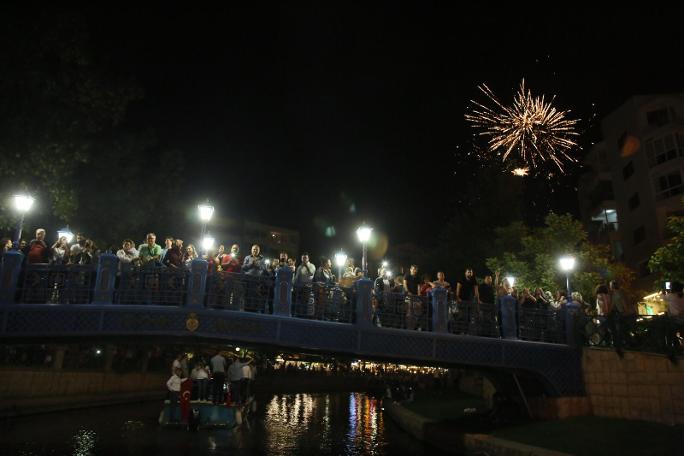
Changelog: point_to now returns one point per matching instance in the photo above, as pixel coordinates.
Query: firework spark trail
(531, 126)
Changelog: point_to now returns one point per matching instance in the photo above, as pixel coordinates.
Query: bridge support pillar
(282, 293)
(106, 279)
(197, 284)
(364, 303)
(440, 314)
(9, 276)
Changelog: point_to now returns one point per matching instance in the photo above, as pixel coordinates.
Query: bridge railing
(318, 301)
(112, 283)
(151, 285)
(240, 292)
(543, 325)
(651, 333)
(56, 284)
(403, 311)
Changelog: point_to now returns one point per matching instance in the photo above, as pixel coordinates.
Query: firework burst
(520, 172)
(531, 128)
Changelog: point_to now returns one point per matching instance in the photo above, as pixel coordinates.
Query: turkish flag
(185, 394)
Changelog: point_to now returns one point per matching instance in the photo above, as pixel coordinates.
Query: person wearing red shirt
(38, 251)
(233, 261)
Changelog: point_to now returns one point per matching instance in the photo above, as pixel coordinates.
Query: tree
(533, 260)
(668, 261)
(56, 102)
(132, 187)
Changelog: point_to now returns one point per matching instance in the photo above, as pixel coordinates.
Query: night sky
(309, 116)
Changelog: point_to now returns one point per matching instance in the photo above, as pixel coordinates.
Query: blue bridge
(112, 300)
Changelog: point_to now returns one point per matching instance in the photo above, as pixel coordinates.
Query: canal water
(283, 424)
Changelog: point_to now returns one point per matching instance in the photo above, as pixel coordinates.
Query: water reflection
(285, 424)
(84, 442)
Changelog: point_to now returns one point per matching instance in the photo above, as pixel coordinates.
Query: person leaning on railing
(37, 251)
(60, 251)
(127, 254)
(150, 253)
(175, 256)
(232, 262)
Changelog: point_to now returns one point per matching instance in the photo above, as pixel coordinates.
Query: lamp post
(207, 243)
(65, 232)
(22, 203)
(511, 281)
(567, 264)
(340, 261)
(364, 234)
(206, 211)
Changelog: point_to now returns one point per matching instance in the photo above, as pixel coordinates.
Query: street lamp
(340, 261)
(207, 243)
(206, 211)
(65, 232)
(364, 234)
(22, 203)
(511, 281)
(567, 264)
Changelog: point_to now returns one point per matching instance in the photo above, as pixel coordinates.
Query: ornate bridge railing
(112, 283)
(151, 285)
(317, 301)
(241, 292)
(403, 311)
(651, 333)
(56, 284)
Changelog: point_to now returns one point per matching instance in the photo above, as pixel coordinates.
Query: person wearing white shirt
(128, 254)
(174, 386)
(235, 376)
(200, 376)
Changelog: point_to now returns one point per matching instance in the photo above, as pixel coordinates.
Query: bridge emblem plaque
(192, 323)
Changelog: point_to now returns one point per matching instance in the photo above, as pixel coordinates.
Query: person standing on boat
(176, 364)
(200, 375)
(218, 368)
(236, 376)
(174, 386)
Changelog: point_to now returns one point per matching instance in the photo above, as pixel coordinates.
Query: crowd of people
(213, 378)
